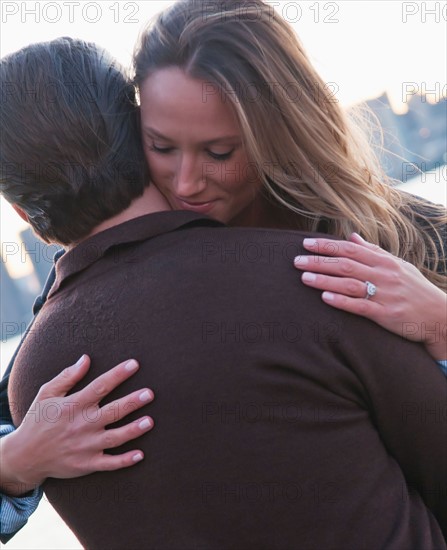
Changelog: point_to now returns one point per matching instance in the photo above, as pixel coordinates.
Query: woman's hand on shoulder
(405, 302)
(65, 437)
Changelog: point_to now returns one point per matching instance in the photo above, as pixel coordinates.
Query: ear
(21, 213)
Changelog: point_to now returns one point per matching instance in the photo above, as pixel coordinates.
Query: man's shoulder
(246, 244)
(260, 233)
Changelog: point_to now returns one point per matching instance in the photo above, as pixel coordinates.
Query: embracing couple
(281, 422)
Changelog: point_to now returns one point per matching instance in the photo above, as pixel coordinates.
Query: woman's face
(193, 145)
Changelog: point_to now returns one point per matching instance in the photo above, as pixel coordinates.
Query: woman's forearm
(15, 478)
(435, 332)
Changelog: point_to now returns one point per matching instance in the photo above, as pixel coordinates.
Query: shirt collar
(138, 229)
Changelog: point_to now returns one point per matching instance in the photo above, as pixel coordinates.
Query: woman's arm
(405, 302)
(68, 445)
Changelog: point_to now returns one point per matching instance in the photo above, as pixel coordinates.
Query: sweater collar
(138, 229)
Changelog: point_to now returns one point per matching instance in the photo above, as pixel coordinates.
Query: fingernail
(145, 424)
(308, 277)
(328, 296)
(301, 260)
(359, 237)
(131, 365)
(79, 362)
(146, 396)
(137, 457)
(309, 242)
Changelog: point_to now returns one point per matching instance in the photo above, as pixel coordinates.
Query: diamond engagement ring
(371, 289)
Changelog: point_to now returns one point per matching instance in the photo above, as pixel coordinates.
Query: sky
(361, 48)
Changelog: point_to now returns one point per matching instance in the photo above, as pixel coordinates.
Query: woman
(287, 181)
(292, 154)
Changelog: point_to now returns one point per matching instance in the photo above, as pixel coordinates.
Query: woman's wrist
(17, 478)
(434, 333)
(437, 350)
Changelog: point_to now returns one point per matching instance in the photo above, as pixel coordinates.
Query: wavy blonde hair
(313, 158)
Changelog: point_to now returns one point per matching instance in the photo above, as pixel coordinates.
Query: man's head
(70, 151)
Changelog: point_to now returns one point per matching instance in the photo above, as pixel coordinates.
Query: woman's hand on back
(71, 444)
(405, 302)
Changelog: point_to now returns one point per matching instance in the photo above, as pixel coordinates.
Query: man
(19, 495)
(281, 423)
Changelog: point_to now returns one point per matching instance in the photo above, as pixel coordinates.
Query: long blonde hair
(312, 157)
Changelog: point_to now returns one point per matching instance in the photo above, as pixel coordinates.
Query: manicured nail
(308, 277)
(145, 424)
(309, 242)
(80, 361)
(328, 296)
(131, 365)
(301, 260)
(137, 457)
(359, 237)
(146, 396)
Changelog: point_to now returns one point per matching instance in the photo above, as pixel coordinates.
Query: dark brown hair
(70, 149)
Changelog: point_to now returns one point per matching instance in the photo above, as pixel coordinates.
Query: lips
(195, 203)
(203, 206)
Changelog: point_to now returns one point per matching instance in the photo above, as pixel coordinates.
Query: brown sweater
(280, 422)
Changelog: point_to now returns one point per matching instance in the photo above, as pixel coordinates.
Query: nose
(190, 180)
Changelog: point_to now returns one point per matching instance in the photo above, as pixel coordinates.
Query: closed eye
(220, 156)
(162, 150)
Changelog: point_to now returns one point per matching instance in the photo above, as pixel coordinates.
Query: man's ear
(21, 213)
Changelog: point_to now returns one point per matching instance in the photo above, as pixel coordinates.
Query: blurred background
(390, 55)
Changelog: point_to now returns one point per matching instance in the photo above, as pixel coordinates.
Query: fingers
(364, 308)
(341, 267)
(118, 436)
(109, 463)
(339, 285)
(356, 238)
(104, 384)
(61, 384)
(367, 255)
(112, 412)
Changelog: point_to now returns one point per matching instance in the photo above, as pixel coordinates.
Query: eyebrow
(155, 133)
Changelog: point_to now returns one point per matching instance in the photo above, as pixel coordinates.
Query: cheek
(239, 179)
(158, 167)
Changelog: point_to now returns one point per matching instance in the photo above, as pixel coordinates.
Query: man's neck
(151, 201)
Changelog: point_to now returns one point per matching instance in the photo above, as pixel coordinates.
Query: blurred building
(40, 253)
(418, 137)
(14, 305)
(17, 295)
